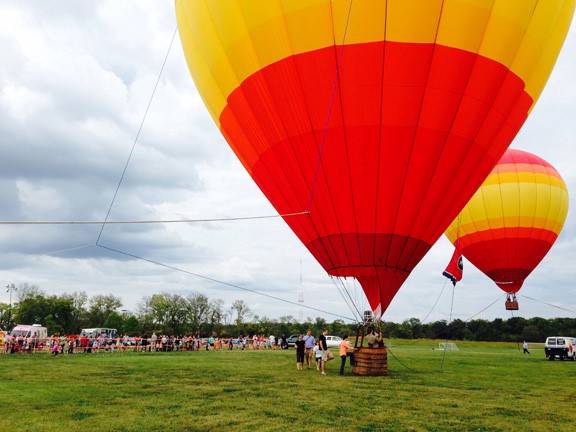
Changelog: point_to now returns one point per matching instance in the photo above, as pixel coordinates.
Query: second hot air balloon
(513, 220)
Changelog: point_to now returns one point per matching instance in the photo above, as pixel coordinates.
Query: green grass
(483, 387)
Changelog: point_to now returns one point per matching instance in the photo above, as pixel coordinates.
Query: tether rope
(349, 301)
(549, 304)
(137, 136)
(448, 332)
(222, 282)
(401, 362)
(490, 305)
(59, 251)
(436, 302)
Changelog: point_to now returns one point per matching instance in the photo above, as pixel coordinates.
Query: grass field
(482, 387)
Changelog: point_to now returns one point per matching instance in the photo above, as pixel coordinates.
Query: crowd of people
(309, 350)
(103, 342)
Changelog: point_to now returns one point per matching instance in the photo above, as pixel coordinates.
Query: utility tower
(301, 296)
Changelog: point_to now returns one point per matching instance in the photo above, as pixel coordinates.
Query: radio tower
(301, 297)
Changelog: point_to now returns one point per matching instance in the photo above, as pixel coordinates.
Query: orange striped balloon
(513, 220)
(378, 119)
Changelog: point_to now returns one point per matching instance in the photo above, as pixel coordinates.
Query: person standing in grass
(272, 340)
(55, 348)
(154, 340)
(326, 354)
(309, 343)
(525, 348)
(317, 355)
(345, 347)
(300, 347)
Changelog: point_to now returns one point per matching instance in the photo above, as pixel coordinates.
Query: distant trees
(170, 313)
(54, 312)
(175, 314)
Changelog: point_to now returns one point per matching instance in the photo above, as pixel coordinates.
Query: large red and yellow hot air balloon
(513, 220)
(378, 119)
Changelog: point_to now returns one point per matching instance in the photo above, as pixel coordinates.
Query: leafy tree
(101, 306)
(480, 329)
(169, 312)
(546, 326)
(404, 331)
(532, 333)
(146, 320)
(456, 329)
(439, 329)
(319, 324)
(216, 311)
(132, 326)
(177, 314)
(516, 325)
(5, 316)
(338, 328)
(115, 321)
(388, 329)
(52, 325)
(242, 310)
(198, 311)
(285, 326)
(79, 301)
(53, 312)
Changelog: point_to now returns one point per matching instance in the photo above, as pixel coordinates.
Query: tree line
(197, 314)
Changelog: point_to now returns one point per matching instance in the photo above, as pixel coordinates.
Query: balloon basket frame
(370, 361)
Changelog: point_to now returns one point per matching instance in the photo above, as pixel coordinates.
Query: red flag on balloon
(455, 266)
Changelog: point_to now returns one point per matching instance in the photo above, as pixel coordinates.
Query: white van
(107, 333)
(38, 333)
(561, 347)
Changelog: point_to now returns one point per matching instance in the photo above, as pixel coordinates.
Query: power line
(151, 221)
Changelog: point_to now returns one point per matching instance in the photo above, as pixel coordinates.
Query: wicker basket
(371, 362)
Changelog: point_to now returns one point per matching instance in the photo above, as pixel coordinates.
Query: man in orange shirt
(344, 348)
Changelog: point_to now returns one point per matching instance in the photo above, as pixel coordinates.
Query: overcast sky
(75, 81)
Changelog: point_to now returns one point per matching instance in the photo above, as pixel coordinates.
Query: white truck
(36, 332)
(561, 347)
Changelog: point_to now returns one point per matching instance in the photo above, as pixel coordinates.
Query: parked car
(561, 347)
(291, 340)
(333, 341)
